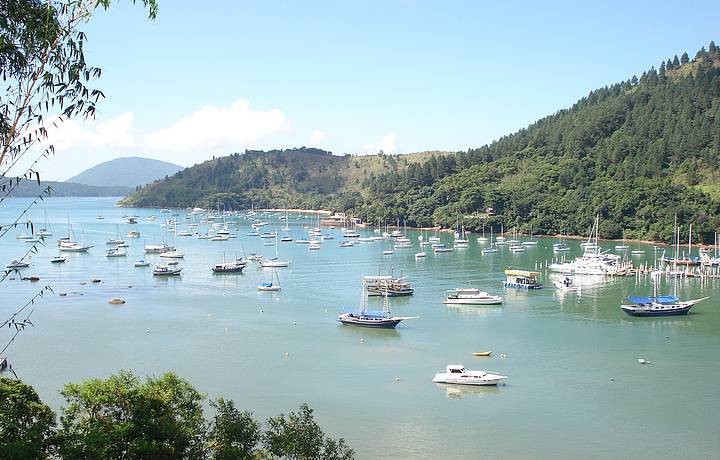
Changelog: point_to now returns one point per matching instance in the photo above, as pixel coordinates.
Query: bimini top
(527, 273)
(659, 299)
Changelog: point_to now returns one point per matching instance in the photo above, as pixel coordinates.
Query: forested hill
(637, 152)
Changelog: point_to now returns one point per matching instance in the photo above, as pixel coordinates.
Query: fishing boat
(164, 270)
(663, 305)
(270, 286)
(369, 318)
(522, 279)
(470, 296)
(456, 374)
(141, 263)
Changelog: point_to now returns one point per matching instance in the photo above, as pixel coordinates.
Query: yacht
(471, 296)
(593, 261)
(457, 374)
(15, 264)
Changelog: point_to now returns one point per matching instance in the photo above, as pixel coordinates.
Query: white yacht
(115, 252)
(471, 296)
(593, 261)
(15, 264)
(457, 374)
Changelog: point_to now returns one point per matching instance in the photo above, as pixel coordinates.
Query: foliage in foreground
(123, 417)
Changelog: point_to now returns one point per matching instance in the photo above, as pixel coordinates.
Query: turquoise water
(575, 388)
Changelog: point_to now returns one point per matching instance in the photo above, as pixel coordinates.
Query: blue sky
(212, 78)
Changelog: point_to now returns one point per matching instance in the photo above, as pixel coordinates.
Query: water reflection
(469, 391)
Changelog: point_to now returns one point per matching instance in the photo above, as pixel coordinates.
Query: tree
(676, 62)
(684, 59)
(122, 417)
(232, 434)
(712, 49)
(298, 436)
(26, 423)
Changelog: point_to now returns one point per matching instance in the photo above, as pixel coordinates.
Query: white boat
(346, 244)
(133, 234)
(141, 263)
(314, 245)
(172, 255)
(114, 252)
(15, 264)
(74, 247)
(593, 261)
(270, 286)
(220, 238)
(471, 296)
(164, 270)
(566, 284)
(420, 255)
(456, 374)
(158, 248)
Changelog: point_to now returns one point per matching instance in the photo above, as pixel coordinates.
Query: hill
(126, 172)
(30, 188)
(637, 152)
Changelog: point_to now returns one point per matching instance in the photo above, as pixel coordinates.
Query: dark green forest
(637, 153)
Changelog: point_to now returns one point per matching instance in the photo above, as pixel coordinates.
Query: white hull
(480, 301)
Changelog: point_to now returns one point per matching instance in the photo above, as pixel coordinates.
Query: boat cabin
(455, 369)
(522, 279)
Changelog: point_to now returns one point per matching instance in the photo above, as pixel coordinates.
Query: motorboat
(662, 305)
(420, 255)
(314, 245)
(115, 252)
(388, 252)
(17, 263)
(471, 296)
(141, 263)
(219, 237)
(370, 318)
(58, 260)
(566, 284)
(522, 279)
(346, 244)
(456, 374)
(164, 270)
(133, 234)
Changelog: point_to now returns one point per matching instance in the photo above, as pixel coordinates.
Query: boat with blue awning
(661, 305)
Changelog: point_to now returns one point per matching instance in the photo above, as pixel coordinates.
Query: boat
(482, 353)
(219, 237)
(131, 219)
(593, 261)
(387, 285)
(58, 260)
(141, 263)
(441, 248)
(45, 231)
(114, 252)
(133, 234)
(522, 279)
(115, 241)
(470, 296)
(420, 255)
(560, 247)
(164, 270)
(270, 286)
(314, 245)
(17, 263)
(172, 255)
(74, 247)
(373, 319)
(275, 262)
(637, 252)
(158, 248)
(530, 242)
(456, 374)
(663, 305)
(566, 284)
(235, 266)
(346, 244)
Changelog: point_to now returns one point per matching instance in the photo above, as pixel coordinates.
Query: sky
(213, 78)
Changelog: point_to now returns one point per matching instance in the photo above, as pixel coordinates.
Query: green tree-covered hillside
(637, 153)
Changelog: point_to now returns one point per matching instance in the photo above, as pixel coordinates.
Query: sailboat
(492, 248)
(375, 319)
(69, 245)
(483, 238)
(274, 262)
(45, 231)
(100, 216)
(270, 286)
(115, 241)
(235, 266)
(530, 242)
(658, 305)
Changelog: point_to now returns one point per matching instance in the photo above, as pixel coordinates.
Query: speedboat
(566, 284)
(471, 296)
(456, 374)
(662, 305)
(58, 260)
(164, 270)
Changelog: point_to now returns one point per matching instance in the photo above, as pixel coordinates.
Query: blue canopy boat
(662, 305)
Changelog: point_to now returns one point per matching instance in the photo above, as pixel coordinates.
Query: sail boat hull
(377, 322)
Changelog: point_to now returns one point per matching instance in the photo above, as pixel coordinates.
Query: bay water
(575, 387)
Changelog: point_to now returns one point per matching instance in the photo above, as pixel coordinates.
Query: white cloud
(386, 144)
(219, 128)
(316, 136)
(113, 133)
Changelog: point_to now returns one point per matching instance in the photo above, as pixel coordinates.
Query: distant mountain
(30, 188)
(126, 172)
